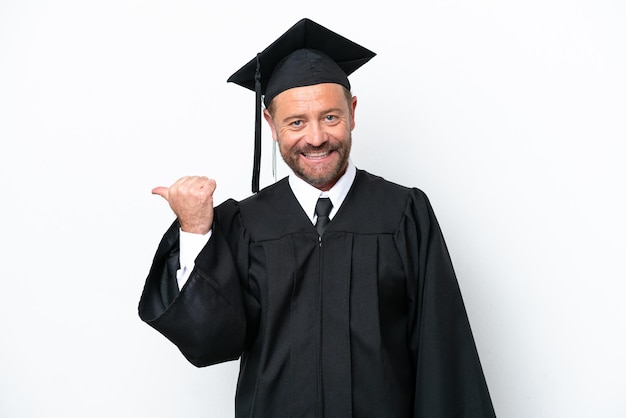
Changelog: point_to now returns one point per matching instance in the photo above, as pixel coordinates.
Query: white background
(509, 114)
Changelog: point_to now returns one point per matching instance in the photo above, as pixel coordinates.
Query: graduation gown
(367, 321)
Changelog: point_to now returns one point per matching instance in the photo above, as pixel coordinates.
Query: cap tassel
(274, 174)
(257, 127)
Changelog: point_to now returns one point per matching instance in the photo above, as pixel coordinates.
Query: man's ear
(270, 122)
(353, 104)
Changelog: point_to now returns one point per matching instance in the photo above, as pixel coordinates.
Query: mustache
(325, 147)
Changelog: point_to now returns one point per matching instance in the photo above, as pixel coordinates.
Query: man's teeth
(316, 155)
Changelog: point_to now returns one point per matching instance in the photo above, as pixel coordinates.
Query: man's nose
(316, 135)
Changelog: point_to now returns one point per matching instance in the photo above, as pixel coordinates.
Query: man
(354, 312)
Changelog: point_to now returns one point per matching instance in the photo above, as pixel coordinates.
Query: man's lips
(318, 155)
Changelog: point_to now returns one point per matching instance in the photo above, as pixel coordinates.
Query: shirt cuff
(190, 246)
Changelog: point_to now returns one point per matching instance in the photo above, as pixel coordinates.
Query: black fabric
(369, 322)
(329, 58)
(322, 210)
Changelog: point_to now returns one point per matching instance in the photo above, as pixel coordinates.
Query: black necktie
(322, 209)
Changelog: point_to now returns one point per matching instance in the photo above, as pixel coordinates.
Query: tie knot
(322, 209)
(323, 206)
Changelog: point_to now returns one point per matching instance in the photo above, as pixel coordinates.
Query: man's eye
(330, 118)
(296, 123)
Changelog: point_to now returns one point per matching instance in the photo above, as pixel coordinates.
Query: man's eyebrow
(323, 112)
(334, 110)
(293, 117)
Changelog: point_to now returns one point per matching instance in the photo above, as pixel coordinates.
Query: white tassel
(274, 174)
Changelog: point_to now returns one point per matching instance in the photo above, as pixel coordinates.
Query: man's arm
(191, 199)
(205, 319)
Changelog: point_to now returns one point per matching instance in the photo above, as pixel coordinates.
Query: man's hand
(191, 199)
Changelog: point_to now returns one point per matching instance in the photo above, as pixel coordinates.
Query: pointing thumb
(161, 191)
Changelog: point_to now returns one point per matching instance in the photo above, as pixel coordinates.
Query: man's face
(313, 127)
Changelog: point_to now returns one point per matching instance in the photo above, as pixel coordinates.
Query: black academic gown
(366, 322)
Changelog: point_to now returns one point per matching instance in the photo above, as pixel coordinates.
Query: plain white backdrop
(511, 115)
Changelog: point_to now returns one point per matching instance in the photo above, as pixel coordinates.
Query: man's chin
(320, 179)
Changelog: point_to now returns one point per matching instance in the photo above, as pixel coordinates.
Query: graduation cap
(306, 54)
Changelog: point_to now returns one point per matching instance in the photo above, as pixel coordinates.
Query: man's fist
(191, 199)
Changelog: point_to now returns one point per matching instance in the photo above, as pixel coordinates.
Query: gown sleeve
(206, 320)
(449, 380)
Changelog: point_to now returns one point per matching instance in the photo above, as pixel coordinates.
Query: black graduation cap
(306, 54)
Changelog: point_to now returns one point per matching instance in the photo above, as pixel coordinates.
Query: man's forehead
(315, 97)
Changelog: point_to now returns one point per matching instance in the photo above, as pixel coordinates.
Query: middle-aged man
(333, 286)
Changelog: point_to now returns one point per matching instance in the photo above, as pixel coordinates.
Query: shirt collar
(307, 195)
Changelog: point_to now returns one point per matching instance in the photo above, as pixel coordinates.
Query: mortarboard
(306, 54)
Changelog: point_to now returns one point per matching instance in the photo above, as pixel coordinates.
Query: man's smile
(319, 155)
